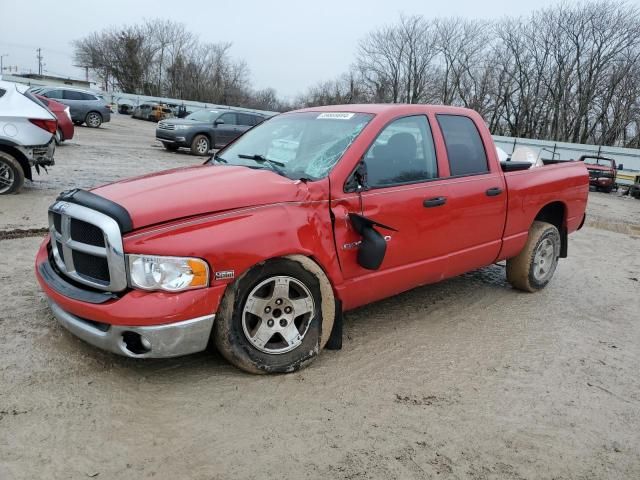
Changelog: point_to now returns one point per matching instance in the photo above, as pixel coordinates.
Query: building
(33, 79)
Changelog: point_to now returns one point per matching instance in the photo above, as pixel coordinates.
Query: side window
(257, 120)
(245, 119)
(2, 92)
(53, 94)
(228, 118)
(402, 153)
(72, 95)
(464, 146)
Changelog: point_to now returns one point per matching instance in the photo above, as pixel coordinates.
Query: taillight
(50, 126)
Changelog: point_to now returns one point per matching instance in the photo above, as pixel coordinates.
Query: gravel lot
(464, 379)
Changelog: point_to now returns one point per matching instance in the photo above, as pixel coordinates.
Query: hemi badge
(225, 275)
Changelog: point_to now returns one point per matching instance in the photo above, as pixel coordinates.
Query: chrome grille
(166, 126)
(87, 246)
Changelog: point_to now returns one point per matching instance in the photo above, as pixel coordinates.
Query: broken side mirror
(373, 246)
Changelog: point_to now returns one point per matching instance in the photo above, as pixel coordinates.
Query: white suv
(27, 131)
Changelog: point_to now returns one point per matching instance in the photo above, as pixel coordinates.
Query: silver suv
(27, 131)
(85, 106)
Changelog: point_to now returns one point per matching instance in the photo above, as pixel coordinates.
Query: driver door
(406, 193)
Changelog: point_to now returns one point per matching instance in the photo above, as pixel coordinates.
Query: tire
(93, 120)
(200, 145)
(535, 265)
(59, 137)
(271, 319)
(172, 147)
(77, 123)
(607, 189)
(11, 174)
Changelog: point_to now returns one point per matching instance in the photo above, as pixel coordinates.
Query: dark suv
(205, 129)
(84, 106)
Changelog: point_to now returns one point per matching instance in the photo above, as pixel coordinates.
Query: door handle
(492, 192)
(434, 202)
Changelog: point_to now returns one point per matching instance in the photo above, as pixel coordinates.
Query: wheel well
(555, 213)
(22, 160)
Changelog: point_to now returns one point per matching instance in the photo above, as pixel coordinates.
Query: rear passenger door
(476, 196)
(77, 102)
(227, 131)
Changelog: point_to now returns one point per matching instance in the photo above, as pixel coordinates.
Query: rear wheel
(534, 266)
(200, 145)
(11, 174)
(59, 137)
(271, 319)
(172, 147)
(93, 119)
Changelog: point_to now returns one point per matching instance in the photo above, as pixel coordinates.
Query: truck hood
(192, 191)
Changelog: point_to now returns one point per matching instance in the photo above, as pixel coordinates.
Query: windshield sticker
(336, 115)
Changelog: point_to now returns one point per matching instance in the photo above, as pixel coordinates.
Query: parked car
(65, 129)
(142, 112)
(160, 112)
(602, 172)
(27, 129)
(311, 213)
(125, 109)
(85, 106)
(205, 129)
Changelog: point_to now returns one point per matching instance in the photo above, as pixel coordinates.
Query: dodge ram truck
(260, 250)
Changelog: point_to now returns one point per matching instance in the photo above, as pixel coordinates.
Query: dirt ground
(464, 379)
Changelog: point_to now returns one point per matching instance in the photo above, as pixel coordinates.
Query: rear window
(35, 99)
(465, 149)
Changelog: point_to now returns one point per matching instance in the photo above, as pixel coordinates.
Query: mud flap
(335, 339)
(373, 246)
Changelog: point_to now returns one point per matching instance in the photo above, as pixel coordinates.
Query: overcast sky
(288, 45)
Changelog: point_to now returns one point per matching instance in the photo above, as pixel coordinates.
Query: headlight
(182, 127)
(172, 274)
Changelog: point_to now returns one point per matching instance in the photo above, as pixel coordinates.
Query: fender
(12, 148)
(234, 241)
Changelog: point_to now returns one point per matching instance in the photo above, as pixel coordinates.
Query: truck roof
(390, 108)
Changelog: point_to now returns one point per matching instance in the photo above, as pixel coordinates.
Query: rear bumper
(41, 154)
(161, 341)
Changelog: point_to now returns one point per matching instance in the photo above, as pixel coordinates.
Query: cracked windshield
(297, 145)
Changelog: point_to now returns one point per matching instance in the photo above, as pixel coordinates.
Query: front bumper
(176, 137)
(160, 341)
(173, 324)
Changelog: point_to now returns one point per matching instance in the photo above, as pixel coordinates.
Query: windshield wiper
(261, 158)
(273, 164)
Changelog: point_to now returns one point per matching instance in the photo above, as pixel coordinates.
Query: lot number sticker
(336, 115)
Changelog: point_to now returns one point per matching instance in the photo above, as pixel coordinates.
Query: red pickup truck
(260, 250)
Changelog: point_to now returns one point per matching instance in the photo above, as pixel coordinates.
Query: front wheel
(271, 319)
(93, 119)
(200, 145)
(11, 174)
(534, 266)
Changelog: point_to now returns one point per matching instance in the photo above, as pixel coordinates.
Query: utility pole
(1, 65)
(39, 57)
